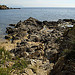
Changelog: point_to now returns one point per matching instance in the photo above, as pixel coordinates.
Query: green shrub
(4, 54)
(4, 71)
(20, 64)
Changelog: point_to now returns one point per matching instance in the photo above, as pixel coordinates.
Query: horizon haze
(38, 3)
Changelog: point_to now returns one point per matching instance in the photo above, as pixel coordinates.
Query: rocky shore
(45, 45)
(5, 7)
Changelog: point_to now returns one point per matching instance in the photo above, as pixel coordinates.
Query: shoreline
(44, 44)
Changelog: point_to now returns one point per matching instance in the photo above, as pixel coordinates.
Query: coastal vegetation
(9, 64)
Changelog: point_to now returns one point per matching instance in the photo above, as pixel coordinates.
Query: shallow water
(14, 15)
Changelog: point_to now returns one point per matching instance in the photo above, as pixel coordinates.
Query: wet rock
(12, 24)
(68, 20)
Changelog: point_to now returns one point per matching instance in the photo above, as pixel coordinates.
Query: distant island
(5, 7)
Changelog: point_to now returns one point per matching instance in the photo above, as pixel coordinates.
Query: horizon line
(38, 7)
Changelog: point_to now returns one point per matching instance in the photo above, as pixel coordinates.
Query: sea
(12, 16)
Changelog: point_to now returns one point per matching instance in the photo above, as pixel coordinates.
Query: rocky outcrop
(38, 39)
(41, 44)
(5, 7)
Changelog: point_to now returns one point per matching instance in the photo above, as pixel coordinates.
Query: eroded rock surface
(40, 43)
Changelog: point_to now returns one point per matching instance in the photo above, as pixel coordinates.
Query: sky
(38, 3)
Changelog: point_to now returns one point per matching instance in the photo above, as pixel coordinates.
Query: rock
(35, 38)
(28, 49)
(52, 55)
(12, 24)
(60, 21)
(29, 71)
(45, 22)
(68, 20)
(63, 68)
(3, 7)
(9, 30)
(41, 43)
(38, 65)
(19, 24)
(33, 21)
(8, 37)
(41, 72)
(23, 74)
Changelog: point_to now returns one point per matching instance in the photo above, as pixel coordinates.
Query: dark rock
(68, 20)
(9, 30)
(7, 37)
(60, 21)
(44, 40)
(63, 67)
(19, 24)
(3, 7)
(12, 24)
(45, 22)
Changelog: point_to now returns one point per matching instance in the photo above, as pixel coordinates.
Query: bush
(20, 64)
(4, 54)
(4, 71)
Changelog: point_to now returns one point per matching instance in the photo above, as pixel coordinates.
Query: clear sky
(38, 3)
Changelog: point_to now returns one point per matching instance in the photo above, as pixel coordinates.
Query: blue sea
(13, 16)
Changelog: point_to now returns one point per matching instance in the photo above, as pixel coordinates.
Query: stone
(60, 67)
(12, 24)
(8, 37)
(40, 43)
(29, 71)
(3, 7)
